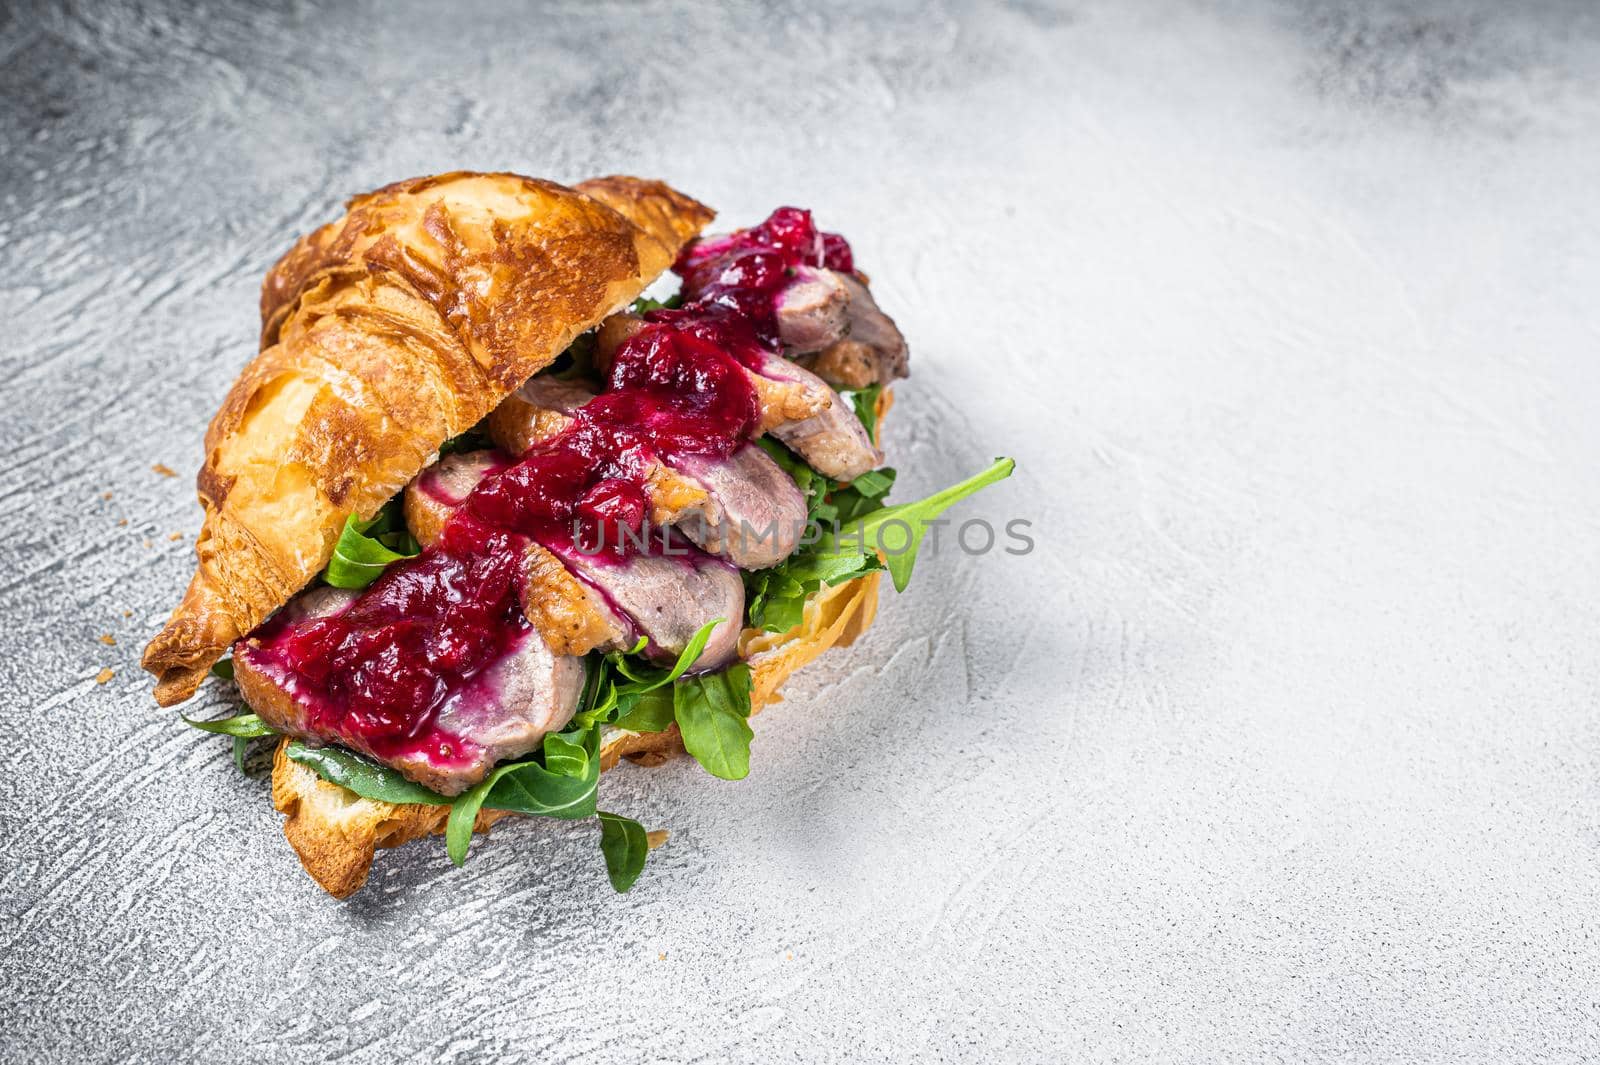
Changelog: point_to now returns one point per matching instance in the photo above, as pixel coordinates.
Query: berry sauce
(376, 674)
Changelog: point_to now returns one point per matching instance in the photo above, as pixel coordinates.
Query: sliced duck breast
(870, 326)
(669, 595)
(812, 310)
(833, 441)
(781, 400)
(754, 515)
(743, 508)
(543, 407)
(573, 617)
(581, 602)
(502, 712)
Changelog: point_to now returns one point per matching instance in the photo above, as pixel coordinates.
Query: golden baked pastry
(385, 333)
(669, 523)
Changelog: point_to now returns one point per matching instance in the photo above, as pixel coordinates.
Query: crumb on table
(104, 675)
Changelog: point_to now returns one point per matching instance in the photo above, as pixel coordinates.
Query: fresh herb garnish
(244, 726)
(865, 401)
(866, 530)
(713, 712)
(222, 668)
(645, 303)
(620, 689)
(624, 844)
(565, 789)
(474, 439)
(366, 548)
(360, 774)
(867, 533)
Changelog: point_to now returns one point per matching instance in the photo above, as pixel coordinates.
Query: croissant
(384, 333)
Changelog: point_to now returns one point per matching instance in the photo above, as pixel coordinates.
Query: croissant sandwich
(481, 518)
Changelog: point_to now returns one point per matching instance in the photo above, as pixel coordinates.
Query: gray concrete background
(1283, 746)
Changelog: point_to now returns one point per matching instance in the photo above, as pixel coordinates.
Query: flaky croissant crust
(385, 333)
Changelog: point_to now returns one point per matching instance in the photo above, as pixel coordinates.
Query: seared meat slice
(753, 516)
(847, 364)
(580, 602)
(743, 508)
(613, 332)
(538, 410)
(812, 310)
(829, 322)
(573, 617)
(797, 407)
(833, 441)
(781, 400)
(435, 493)
(502, 712)
(543, 407)
(669, 594)
(870, 326)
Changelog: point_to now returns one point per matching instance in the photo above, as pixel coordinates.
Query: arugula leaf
(691, 651)
(865, 402)
(618, 688)
(527, 787)
(243, 726)
(240, 743)
(223, 668)
(645, 303)
(625, 846)
(651, 712)
(712, 712)
(368, 779)
(777, 597)
(474, 439)
(565, 756)
(867, 532)
(366, 548)
(861, 496)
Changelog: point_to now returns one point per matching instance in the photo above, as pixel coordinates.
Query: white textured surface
(1283, 746)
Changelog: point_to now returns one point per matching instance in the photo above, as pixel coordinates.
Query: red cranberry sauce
(744, 271)
(377, 673)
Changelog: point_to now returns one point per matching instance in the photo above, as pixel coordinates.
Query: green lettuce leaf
(868, 533)
(861, 496)
(625, 846)
(564, 754)
(645, 303)
(865, 401)
(242, 726)
(366, 548)
(776, 597)
(368, 779)
(474, 439)
(651, 712)
(620, 688)
(713, 712)
(529, 787)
